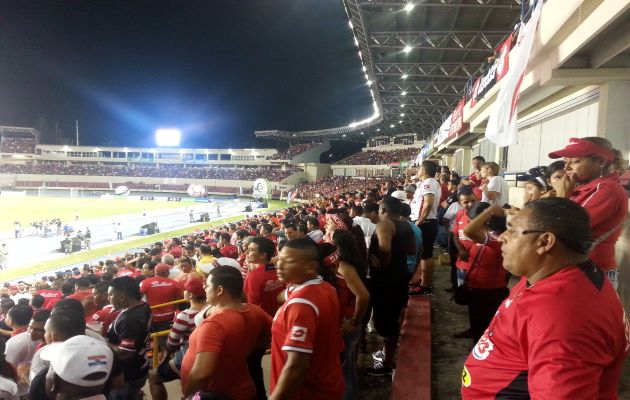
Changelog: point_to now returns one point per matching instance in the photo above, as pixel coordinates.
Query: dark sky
(217, 69)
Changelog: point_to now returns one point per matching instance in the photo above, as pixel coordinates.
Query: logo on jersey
(466, 379)
(482, 349)
(508, 303)
(298, 333)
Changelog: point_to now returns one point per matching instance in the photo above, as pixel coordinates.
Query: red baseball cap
(161, 267)
(581, 148)
(195, 287)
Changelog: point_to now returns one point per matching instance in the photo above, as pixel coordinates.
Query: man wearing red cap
(161, 289)
(590, 181)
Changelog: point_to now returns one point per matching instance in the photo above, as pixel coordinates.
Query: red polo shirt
(49, 295)
(606, 202)
(309, 322)
(461, 221)
(82, 295)
(229, 251)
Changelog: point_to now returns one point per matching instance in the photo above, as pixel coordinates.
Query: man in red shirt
(216, 359)
(81, 289)
(125, 269)
(48, 294)
(226, 249)
(306, 339)
(562, 333)
(161, 289)
(266, 231)
(475, 179)
(262, 285)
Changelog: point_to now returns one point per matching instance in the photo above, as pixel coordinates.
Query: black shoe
(379, 369)
(421, 291)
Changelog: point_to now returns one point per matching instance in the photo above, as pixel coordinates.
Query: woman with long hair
(486, 277)
(351, 270)
(592, 169)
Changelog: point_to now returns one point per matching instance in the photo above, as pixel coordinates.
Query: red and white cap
(581, 148)
(80, 360)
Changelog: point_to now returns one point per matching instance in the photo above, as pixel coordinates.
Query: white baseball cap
(78, 358)
(221, 261)
(400, 195)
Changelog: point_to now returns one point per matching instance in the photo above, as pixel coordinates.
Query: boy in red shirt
(262, 285)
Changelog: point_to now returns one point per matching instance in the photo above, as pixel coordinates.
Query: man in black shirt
(128, 336)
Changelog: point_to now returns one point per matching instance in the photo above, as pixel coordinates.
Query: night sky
(216, 69)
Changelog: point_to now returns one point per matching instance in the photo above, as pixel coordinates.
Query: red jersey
(229, 251)
(132, 272)
(460, 223)
(262, 288)
(160, 290)
(443, 192)
(476, 181)
(106, 315)
(175, 251)
(606, 202)
(488, 272)
(49, 295)
(563, 338)
(233, 334)
(80, 296)
(309, 322)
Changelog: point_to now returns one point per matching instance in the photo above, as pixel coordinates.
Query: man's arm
(292, 375)
(384, 233)
(427, 205)
(202, 369)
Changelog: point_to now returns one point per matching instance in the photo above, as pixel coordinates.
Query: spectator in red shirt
(475, 179)
(175, 248)
(81, 289)
(218, 349)
(48, 294)
(592, 182)
(266, 232)
(562, 314)
(161, 289)
(226, 249)
(306, 339)
(262, 285)
(126, 269)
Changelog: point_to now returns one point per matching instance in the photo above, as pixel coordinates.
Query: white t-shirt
(450, 214)
(20, 350)
(8, 389)
(427, 186)
(367, 226)
(499, 185)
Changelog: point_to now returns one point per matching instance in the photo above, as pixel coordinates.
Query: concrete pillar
(613, 120)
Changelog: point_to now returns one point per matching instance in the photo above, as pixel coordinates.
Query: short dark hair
(358, 210)
(314, 221)
(37, 301)
(370, 207)
(83, 282)
(264, 246)
(67, 288)
(20, 314)
(567, 220)
(430, 168)
(405, 210)
(101, 287)
(266, 227)
(392, 205)
(479, 158)
(205, 249)
(41, 316)
(128, 286)
(23, 301)
(68, 304)
(67, 323)
(229, 278)
(226, 236)
(307, 245)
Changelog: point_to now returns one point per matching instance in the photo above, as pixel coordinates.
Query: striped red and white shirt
(183, 326)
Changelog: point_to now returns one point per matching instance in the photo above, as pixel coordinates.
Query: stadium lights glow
(409, 7)
(66, 148)
(402, 105)
(344, 135)
(167, 137)
(350, 23)
(356, 42)
(407, 49)
(392, 125)
(400, 121)
(362, 133)
(378, 129)
(369, 82)
(405, 76)
(96, 149)
(403, 93)
(402, 114)
(364, 68)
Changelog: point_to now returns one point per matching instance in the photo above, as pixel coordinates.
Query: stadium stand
(293, 151)
(375, 157)
(19, 145)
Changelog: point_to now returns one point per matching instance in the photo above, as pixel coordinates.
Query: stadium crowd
(163, 171)
(307, 281)
(17, 145)
(375, 157)
(293, 151)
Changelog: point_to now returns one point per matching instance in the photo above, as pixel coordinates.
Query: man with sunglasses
(562, 333)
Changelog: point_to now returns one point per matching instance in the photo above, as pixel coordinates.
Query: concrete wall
(312, 155)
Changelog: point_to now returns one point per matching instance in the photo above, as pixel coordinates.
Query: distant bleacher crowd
(330, 186)
(164, 171)
(17, 145)
(293, 151)
(373, 157)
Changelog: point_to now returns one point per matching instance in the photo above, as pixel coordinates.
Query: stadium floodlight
(409, 7)
(167, 137)
(402, 106)
(362, 133)
(405, 76)
(402, 114)
(392, 125)
(344, 135)
(369, 82)
(407, 49)
(378, 129)
(403, 93)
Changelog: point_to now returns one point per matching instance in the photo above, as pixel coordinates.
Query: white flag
(502, 129)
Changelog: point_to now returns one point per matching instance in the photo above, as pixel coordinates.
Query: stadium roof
(417, 56)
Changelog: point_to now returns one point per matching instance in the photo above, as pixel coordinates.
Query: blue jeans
(131, 390)
(349, 365)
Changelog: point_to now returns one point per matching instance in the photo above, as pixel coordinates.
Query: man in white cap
(79, 368)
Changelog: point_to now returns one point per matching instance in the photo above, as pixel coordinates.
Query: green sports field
(30, 208)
